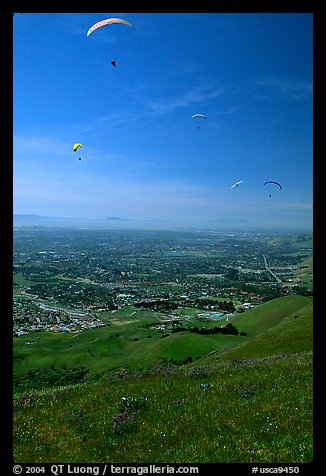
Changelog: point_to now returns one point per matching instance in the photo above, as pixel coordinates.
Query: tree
(231, 329)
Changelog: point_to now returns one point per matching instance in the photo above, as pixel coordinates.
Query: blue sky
(143, 156)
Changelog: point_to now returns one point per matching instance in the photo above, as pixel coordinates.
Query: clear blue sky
(143, 156)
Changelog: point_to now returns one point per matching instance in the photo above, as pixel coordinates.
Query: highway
(270, 271)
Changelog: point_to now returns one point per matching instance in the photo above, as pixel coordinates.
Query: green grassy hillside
(291, 332)
(105, 350)
(257, 411)
(267, 315)
(280, 325)
(305, 272)
(245, 399)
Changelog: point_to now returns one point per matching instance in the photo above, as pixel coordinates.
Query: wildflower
(205, 386)
(122, 421)
(199, 372)
(27, 399)
(176, 403)
(133, 402)
(246, 391)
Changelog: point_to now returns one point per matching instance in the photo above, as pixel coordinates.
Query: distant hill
(118, 219)
(113, 222)
(18, 218)
(94, 223)
(43, 220)
(297, 241)
(40, 219)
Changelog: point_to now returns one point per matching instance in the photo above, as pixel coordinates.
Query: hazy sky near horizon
(143, 155)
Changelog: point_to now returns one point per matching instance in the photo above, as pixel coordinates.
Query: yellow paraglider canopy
(75, 146)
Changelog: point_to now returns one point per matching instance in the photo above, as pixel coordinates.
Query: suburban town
(67, 280)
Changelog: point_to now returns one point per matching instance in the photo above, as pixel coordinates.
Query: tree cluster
(229, 329)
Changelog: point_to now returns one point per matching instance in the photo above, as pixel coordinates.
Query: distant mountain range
(44, 218)
(119, 219)
(107, 222)
(223, 224)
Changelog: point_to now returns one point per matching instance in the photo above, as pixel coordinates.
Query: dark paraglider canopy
(276, 183)
(272, 181)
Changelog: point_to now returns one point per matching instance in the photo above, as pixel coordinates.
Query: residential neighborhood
(66, 279)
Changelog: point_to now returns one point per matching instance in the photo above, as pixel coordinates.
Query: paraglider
(272, 181)
(276, 183)
(76, 146)
(108, 21)
(198, 115)
(236, 184)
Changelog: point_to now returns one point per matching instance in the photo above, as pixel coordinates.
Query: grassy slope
(292, 334)
(108, 352)
(271, 325)
(263, 317)
(289, 329)
(306, 274)
(256, 411)
(180, 422)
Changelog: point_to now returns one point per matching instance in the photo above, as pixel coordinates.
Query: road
(270, 271)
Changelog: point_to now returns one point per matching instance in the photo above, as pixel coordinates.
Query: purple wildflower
(120, 376)
(246, 391)
(122, 421)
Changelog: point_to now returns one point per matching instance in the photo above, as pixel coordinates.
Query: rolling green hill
(245, 399)
(267, 315)
(106, 350)
(280, 325)
(285, 325)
